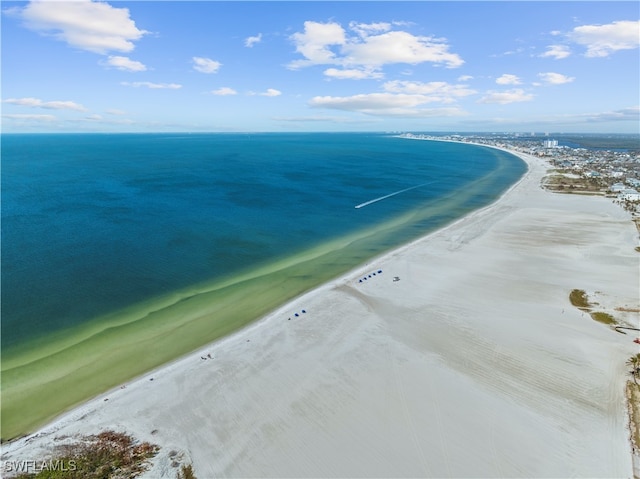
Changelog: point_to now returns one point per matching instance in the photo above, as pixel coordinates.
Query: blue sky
(320, 66)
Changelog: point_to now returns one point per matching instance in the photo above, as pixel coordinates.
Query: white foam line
(361, 205)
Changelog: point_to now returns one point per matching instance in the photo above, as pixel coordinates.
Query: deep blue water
(92, 223)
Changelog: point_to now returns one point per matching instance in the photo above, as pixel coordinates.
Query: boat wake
(375, 200)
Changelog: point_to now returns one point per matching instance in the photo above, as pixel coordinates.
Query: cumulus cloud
(557, 52)
(93, 26)
(205, 65)
(137, 84)
(399, 47)
(464, 78)
(508, 79)
(603, 40)
(125, 63)
(315, 42)
(505, 97)
(367, 49)
(224, 91)
(251, 41)
(400, 99)
(51, 105)
(384, 104)
(551, 78)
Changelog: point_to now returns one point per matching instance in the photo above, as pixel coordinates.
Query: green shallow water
(50, 375)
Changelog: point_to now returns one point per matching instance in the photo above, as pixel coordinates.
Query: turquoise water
(92, 224)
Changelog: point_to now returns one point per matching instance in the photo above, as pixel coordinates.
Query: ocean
(123, 251)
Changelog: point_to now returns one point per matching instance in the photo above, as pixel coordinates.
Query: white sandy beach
(473, 364)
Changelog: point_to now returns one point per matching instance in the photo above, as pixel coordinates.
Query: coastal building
(629, 196)
(550, 143)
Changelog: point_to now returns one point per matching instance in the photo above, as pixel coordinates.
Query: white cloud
(24, 101)
(505, 97)
(551, 78)
(399, 47)
(51, 105)
(224, 91)
(170, 86)
(125, 63)
(205, 65)
(93, 26)
(384, 104)
(353, 74)
(625, 114)
(332, 119)
(557, 52)
(517, 51)
(400, 98)
(603, 40)
(63, 105)
(271, 92)
(465, 78)
(372, 47)
(251, 41)
(441, 92)
(27, 117)
(315, 41)
(366, 29)
(508, 79)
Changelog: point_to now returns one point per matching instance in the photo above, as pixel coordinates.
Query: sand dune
(463, 358)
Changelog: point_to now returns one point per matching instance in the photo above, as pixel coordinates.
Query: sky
(237, 66)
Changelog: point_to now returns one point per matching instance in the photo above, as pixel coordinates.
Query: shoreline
(376, 343)
(107, 351)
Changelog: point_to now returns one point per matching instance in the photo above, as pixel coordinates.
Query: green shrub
(579, 299)
(604, 318)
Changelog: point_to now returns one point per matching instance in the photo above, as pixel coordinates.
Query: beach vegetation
(579, 299)
(604, 318)
(633, 407)
(106, 455)
(186, 472)
(634, 363)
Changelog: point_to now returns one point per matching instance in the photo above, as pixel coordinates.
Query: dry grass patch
(579, 299)
(627, 310)
(604, 318)
(561, 181)
(108, 455)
